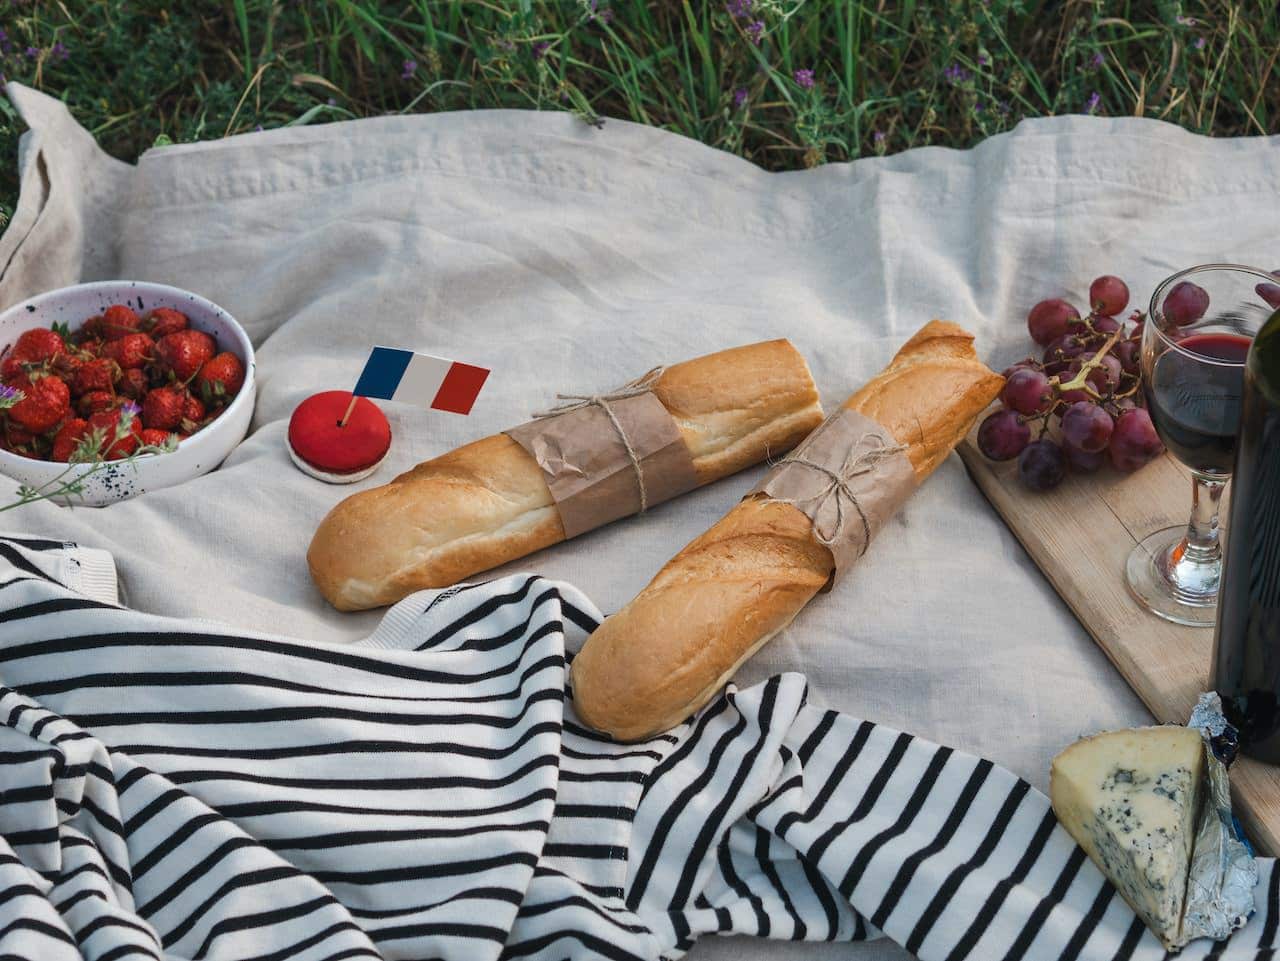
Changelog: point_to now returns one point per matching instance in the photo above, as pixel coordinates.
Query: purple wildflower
(257, 128)
(1091, 104)
(59, 51)
(409, 69)
(540, 49)
(131, 409)
(32, 52)
(804, 78)
(1198, 43)
(9, 396)
(956, 74)
(878, 136)
(332, 102)
(978, 106)
(1096, 61)
(740, 96)
(755, 30)
(739, 8)
(983, 60)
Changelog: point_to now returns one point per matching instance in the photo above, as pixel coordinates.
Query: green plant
(784, 83)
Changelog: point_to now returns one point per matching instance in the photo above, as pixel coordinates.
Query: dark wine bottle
(1246, 657)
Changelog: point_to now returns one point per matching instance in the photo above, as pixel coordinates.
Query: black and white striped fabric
(171, 789)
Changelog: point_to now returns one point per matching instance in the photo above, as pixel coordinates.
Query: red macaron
(338, 454)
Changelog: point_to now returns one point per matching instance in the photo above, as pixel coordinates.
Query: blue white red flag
(412, 378)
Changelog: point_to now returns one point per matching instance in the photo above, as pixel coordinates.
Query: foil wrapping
(1223, 872)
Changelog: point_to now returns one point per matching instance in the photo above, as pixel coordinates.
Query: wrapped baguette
(718, 601)
(489, 502)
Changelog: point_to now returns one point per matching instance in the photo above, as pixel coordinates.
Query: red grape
(1083, 461)
(1027, 391)
(1049, 319)
(1105, 325)
(1105, 378)
(1108, 295)
(1270, 293)
(1185, 303)
(1002, 436)
(1128, 353)
(1042, 465)
(1061, 350)
(1134, 442)
(1086, 427)
(1027, 364)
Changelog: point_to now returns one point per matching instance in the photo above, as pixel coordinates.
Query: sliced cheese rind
(1131, 799)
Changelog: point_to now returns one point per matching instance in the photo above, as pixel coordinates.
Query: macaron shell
(330, 478)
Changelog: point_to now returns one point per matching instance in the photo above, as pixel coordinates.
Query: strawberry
(38, 345)
(120, 439)
(155, 438)
(184, 352)
(118, 321)
(220, 379)
(97, 374)
(94, 401)
(47, 402)
(165, 320)
(131, 350)
(162, 408)
(33, 347)
(91, 329)
(15, 438)
(68, 438)
(192, 412)
(133, 383)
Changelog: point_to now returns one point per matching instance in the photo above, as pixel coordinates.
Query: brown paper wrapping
(845, 516)
(586, 465)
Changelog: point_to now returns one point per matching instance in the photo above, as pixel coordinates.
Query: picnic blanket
(570, 258)
(177, 791)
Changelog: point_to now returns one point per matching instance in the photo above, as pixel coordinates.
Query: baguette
(487, 502)
(728, 592)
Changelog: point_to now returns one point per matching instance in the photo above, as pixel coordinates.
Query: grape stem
(1081, 380)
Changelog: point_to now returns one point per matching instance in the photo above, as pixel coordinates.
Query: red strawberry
(131, 350)
(68, 438)
(166, 320)
(38, 345)
(220, 379)
(97, 374)
(155, 438)
(94, 401)
(119, 320)
(91, 329)
(133, 383)
(15, 437)
(192, 412)
(162, 408)
(119, 441)
(47, 402)
(185, 352)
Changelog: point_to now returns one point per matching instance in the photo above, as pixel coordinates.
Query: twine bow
(635, 388)
(856, 463)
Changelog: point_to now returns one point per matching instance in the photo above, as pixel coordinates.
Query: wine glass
(1194, 342)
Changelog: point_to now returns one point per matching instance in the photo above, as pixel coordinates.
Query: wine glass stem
(1202, 545)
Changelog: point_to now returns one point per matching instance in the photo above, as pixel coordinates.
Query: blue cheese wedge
(1131, 800)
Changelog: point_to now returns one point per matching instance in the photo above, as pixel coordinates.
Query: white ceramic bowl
(197, 454)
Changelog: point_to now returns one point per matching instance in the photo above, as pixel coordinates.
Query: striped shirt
(177, 789)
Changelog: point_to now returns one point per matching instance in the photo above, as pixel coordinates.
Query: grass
(784, 83)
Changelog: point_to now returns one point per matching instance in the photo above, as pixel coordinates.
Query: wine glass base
(1152, 577)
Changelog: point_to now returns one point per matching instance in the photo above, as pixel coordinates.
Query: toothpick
(350, 407)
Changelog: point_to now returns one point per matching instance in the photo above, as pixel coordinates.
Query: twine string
(856, 463)
(634, 388)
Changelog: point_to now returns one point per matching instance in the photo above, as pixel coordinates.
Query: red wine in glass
(1195, 403)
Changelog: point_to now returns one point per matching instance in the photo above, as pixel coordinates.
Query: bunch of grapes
(1081, 404)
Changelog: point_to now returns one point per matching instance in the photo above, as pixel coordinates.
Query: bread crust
(730, 590)
(487, 503)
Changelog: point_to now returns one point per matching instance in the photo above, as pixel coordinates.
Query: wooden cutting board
(1080, 535)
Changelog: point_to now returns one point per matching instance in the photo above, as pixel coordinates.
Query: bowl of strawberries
(111, 389)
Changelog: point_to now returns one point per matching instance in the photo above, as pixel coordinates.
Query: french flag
(412, 378)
